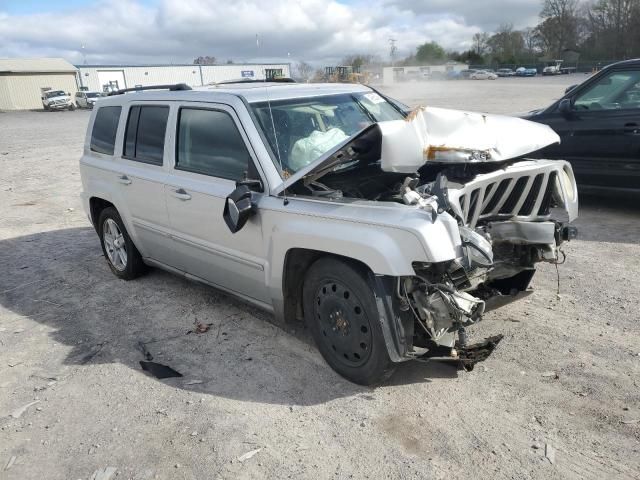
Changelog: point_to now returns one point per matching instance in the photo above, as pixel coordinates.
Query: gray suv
(387, 232)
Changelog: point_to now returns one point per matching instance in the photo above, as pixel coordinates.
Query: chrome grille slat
(523, 192)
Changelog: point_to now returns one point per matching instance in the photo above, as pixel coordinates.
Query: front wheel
(72, 107)
(122, 255)
(341, 312)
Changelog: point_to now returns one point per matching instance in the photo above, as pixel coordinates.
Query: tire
(114, 238)
(341, 312)
(46, 107)
(72, 107)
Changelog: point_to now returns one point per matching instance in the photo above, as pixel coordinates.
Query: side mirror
(238, 207)
(565, 106)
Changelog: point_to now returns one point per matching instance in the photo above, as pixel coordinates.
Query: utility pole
(392, 50)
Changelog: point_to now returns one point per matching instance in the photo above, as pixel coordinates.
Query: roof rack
(140, 88)
(251, 80)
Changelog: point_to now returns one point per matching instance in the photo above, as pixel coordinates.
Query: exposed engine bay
(511, 214)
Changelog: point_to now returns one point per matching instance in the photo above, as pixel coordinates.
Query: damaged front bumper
(509, 220)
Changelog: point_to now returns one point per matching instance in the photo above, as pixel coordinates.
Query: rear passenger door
(141, 177)
(211, 154)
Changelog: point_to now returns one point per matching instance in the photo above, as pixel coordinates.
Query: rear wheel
(122, 255)
(341, 312)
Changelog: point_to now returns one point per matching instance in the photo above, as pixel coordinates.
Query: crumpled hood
(433, 135)
(451, 136)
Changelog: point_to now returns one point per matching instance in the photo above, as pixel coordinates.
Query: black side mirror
(565, 106)
(238, 207)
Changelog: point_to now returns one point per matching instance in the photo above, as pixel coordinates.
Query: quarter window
(209, 143)
(144, 138)
(105, 126)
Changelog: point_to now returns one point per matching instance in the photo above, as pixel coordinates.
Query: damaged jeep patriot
(388, 232)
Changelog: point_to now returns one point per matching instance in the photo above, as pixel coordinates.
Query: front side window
(144, 138)
(301, 130)
(105, 126)
(210, 143)
(618, 90)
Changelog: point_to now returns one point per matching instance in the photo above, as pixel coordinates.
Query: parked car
(526, 72)
(87, 99)
(505, 72)
(465, 74)
(329, 204)
(599, 124)
(553, 68)
(57, 100)
(483, 75)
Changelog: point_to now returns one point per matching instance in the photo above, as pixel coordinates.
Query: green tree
(430, 52)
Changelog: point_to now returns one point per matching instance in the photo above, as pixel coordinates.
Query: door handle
(181, 194)
(631, 129)
(123, 179)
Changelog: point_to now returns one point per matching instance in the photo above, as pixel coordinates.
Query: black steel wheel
(342, 314)
(344, 324)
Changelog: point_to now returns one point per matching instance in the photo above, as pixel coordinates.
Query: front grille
(523, 193)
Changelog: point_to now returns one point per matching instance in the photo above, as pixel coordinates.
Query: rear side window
(144, 138)
(105, 126)
(209, 143)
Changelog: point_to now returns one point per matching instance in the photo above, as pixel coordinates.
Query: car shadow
(219, 345)
(613, 219)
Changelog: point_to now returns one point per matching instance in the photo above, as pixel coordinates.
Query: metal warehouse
(109, 77)
(23, 81)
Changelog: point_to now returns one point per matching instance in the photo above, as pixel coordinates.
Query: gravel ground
(565, 379)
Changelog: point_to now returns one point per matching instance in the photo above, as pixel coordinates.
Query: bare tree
(206, 60)
(480, 44)
(305, 70)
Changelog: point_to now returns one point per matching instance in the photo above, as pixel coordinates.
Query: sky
(317, 31)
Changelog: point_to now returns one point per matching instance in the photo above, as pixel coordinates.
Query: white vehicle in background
(554, 69)
(87, 99)
(57, 100)
(483, 75)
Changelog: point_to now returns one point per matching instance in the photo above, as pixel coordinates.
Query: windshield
(93, 94)
(55, 93)
(307, 128)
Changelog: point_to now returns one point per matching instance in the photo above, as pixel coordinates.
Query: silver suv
(387, 231)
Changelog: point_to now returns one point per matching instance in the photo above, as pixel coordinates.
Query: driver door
(599, 136)
(210, 155)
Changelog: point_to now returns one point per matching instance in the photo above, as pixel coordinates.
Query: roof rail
(251, 80)
(140, 88)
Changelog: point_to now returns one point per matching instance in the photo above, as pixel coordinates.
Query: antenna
(275, 134)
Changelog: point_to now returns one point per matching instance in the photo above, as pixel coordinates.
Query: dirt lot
(567, 374)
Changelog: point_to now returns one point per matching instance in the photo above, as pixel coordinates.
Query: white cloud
(313, 30)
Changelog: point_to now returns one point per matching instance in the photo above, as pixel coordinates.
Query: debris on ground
(630, 421)
(550, 453)
(551, 375)
(193, 382)
(10, 463)
(17, 413)
(248, 455)
(201, 327)
(103, 474)
(145, 352)
(158, 370)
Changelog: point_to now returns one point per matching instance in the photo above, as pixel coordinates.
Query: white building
(392, 75)
(114, 77)
(23, 80)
